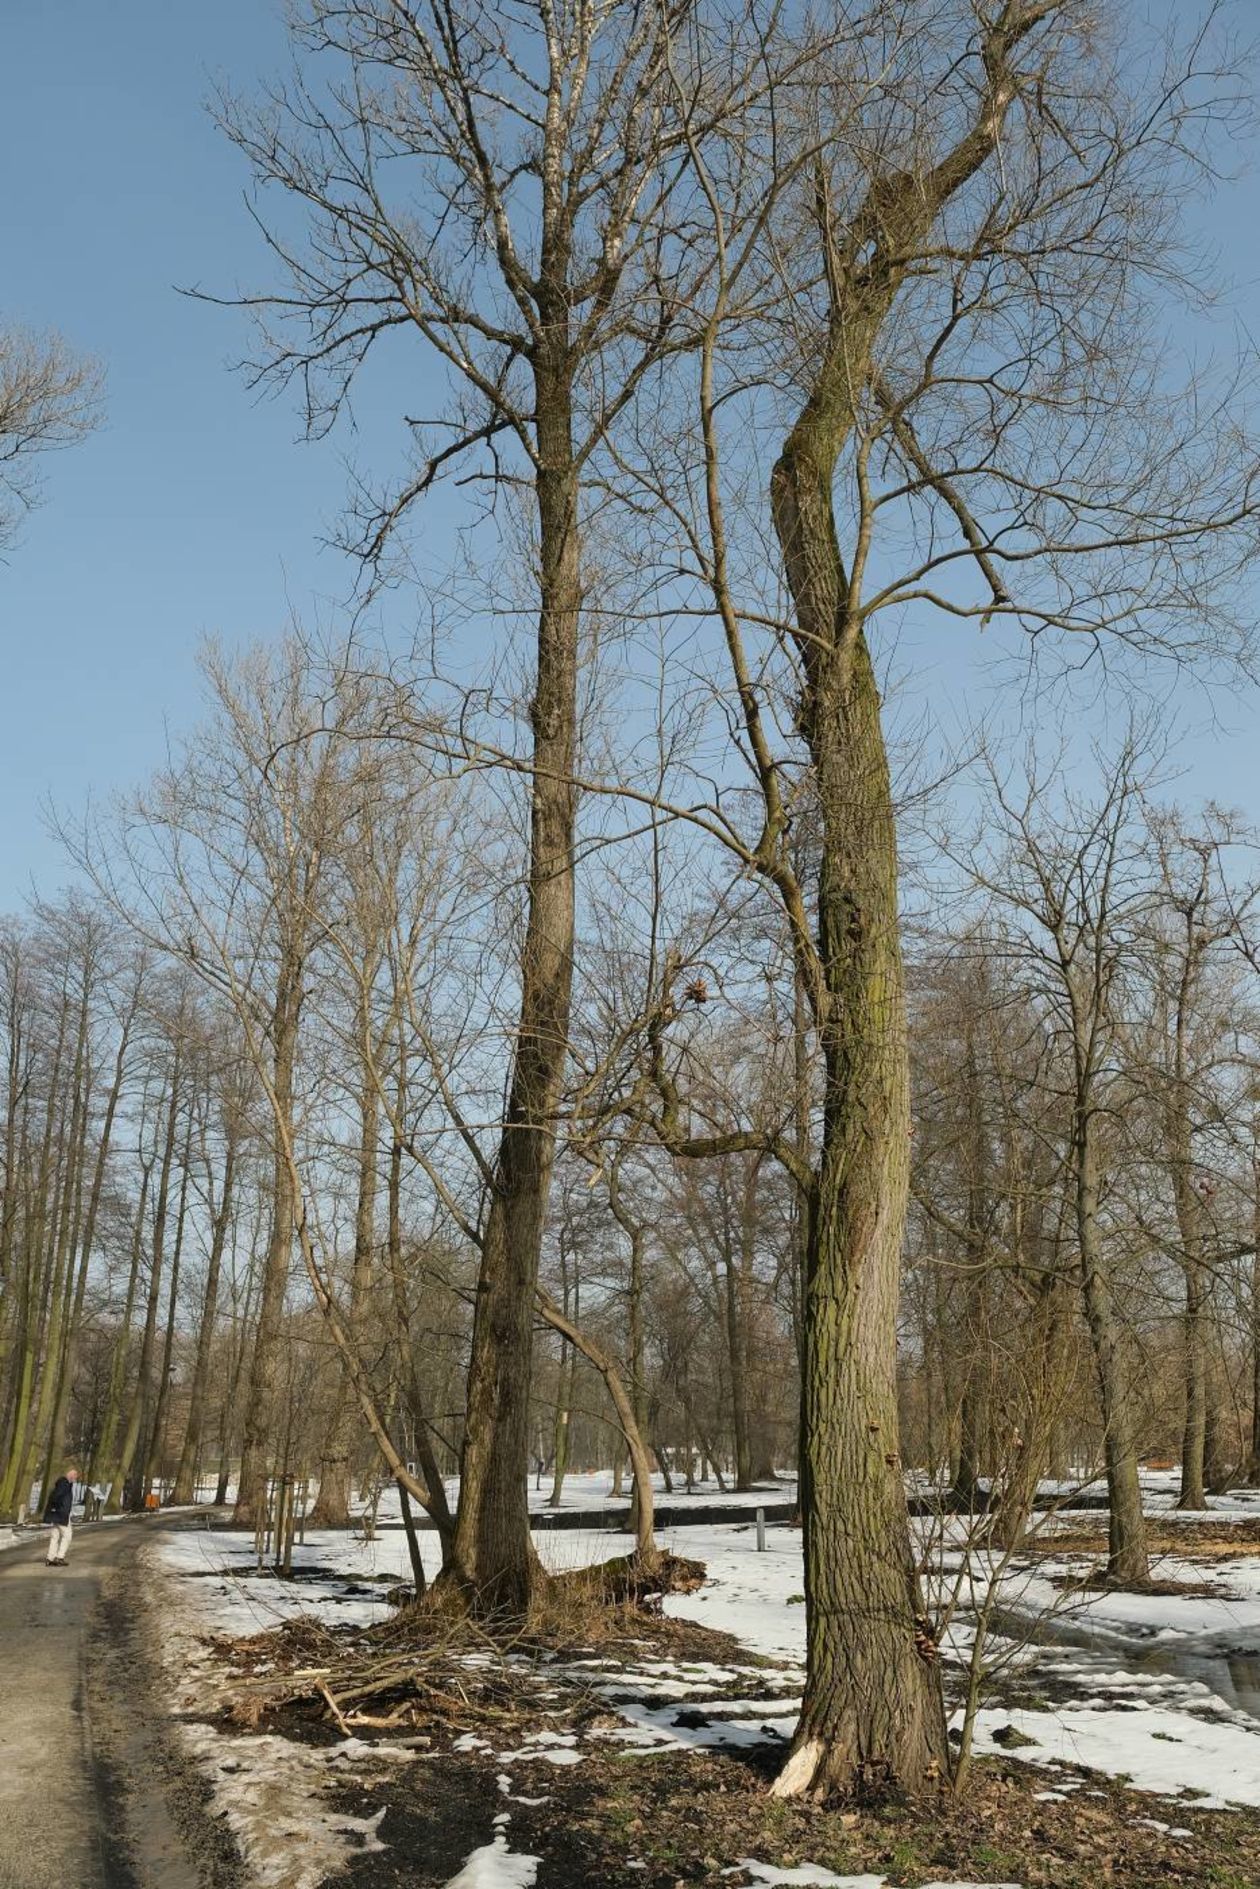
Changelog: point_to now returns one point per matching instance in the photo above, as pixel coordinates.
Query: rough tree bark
(968, 1493)
(1253, 1461)
(493, 1555)
(153, 1455)
(1127, 1557)
(872, 1712)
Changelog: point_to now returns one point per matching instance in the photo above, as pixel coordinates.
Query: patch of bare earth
(689, 1818)
(1189, 1539)
(1156, 1586)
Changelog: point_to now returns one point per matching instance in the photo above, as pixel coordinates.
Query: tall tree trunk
(185, 1488)
(332, 1505)
(494, 1558)
(103, 1466)
(1253, 1461)
(732, 1301)
(1219, 1460)
(285, 1019)
(138, 1398)
(872, 1713)
(635, 1231)
(1039, 1393)
(1127, 1556)
(436, 1505)
(16, 1084)
(153, 1455)
(120, 1470)
(566, 1380)
(38, 1217)
(968, 1492)
(57, 1429)
(647, 1555)
(72, 1160)
(873, 1710)
(413, 1544)
(1195, 1429)
(802, 1212)
(1178, 1153)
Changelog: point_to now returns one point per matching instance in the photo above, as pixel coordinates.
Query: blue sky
(198, 509)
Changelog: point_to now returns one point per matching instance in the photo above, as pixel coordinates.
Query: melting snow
(272, 1793)
(812, 1876)
(495, 1866)
(1157, 1749)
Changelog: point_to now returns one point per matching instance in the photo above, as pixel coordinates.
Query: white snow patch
(495, 1866)
(504, 1783)
(813, 1876)
(1150, 1727)
(270, 1792)
(807, 1875)
(550, 1747)
(656, 1727)
(1112, 1617)
(1157, 1749)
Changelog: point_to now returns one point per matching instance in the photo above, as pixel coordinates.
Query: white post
(761, 1531)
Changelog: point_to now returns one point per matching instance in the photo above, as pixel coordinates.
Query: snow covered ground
(1166, 1733)
(1168, 1730)
(340, 1578)
(279, 1796)
(1160, 1690)
(590, 1491)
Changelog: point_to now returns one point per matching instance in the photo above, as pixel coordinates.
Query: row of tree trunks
(283, 1039)
(117, 1469)
(332, 1505)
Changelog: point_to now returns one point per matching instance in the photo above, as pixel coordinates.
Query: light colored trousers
(59, 1541)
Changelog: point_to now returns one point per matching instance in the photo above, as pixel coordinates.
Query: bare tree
(1074, 872)
(221, 865)
(502, 186)
(965, 269)
(1196, 918)
(50, 398)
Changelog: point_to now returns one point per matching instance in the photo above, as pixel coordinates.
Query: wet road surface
(93, 1791)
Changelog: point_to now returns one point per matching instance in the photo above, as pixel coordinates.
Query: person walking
(57, 1517)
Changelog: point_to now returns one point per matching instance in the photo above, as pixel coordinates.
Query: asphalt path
(94, 1793)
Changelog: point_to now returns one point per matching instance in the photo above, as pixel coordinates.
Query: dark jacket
(60, 1502)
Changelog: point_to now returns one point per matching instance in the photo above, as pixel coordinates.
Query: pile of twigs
(457, 1676)
(433, 1664)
